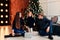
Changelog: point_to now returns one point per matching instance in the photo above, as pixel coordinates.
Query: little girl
(18, 24)
(30, 20)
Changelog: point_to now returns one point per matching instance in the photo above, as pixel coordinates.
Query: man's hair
(42, 14)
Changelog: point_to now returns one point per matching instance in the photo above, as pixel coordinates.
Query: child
(30, 20)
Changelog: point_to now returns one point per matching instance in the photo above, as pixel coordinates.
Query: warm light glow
(1, 16)
(32, 2)
(1, 10)
(29, 1)
(2, 22)
(1, 4)
(6, 16)
(6, 10)
(6, 21)
(6, 5)
(6, 0)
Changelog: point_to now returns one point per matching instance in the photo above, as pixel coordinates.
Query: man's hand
(48, 29)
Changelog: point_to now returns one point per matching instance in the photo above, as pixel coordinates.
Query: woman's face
(20, 15)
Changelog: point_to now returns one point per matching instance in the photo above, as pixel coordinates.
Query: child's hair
(28, 12)
(41, 13)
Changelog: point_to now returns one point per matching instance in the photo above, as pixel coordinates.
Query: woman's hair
(16, 20)
(17, 15)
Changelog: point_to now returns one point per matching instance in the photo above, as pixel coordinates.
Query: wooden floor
(4, 30)
(33, 36)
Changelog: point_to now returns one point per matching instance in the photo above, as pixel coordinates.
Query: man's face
(40, 16)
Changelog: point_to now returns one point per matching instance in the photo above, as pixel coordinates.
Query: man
(44, 25)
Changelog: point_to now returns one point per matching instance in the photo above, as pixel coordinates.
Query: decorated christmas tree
(34, 6)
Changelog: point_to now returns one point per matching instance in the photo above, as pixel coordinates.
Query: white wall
(54, 7)
(51, 7)
(44, 4)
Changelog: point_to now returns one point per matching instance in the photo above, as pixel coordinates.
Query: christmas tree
(34, 6)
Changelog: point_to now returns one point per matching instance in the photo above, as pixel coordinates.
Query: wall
(17, 6)
(51, 7)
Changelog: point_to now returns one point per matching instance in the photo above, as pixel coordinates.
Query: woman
(18, 24)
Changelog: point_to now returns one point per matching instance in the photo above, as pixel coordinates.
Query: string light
(6, 16)
(1, 10)
(2, 22)
(6, 21)
(32, 2)
(1, 4)
(37, 1)
(6, 10)
(1, 16)
(6, 5)
(6, 0)
(29, 1)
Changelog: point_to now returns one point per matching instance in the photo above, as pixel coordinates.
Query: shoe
(50, 37)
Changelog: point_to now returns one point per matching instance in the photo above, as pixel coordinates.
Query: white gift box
(28, 35)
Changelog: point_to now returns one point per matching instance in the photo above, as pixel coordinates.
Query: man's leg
(50, 31)
(42, 33)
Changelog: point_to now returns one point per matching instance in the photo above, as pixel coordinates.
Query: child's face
(30, 14)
